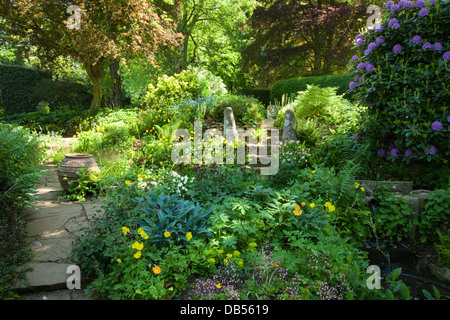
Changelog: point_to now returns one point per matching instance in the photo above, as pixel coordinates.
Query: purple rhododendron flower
(388, 4)
(408, 153)
(367, 52)
(430, 150)
(416, 39)
(397, 48)
(426, 45)
(446, 55)
(419, 4)
(360, 66)
(395, 26)
(423, 12)
(394, 152)
(395, 7)
(437, 46)
(379, 40)
(437, 126)
(379, 27)
(352, 85)
(372, 46)
(354, 58)
(381, 153)
(369, 67)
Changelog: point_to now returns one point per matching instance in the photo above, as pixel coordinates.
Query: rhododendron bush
(401, 69)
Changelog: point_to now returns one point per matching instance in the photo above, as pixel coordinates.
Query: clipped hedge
(23, 88)
(16, 84)
(294, 85)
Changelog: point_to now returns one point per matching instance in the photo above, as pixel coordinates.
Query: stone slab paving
(52, 229)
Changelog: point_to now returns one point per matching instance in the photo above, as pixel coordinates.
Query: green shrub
(262, 95)
(401, 74)
(246, 110)
(20, 155)
(393, 217)
(188, 84)
(294, 85)
(436, 216)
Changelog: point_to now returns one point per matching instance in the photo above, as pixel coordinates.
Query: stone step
(45, 276)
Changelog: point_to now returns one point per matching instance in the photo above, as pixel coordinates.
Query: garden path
(52, 228)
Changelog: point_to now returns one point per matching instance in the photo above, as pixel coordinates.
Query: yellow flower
(252, 244)
(332, 208)
(127, 182)
(312, 205)
(167, 234)
(137, 255)
(362, 188)
(241, 262)
(189, 236)
(125, 230)
(313, 171)
(275, 265)
(218, 286)
(297, 210)
(303, 204)
(229, 256)
(137, 246)
(327, 204)
(356, 185)
(156, 270)
(119, 261)
(212, 260)
(236, 253)
(220, 251)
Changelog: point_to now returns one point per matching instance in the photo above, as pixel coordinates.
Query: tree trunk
(95, 73)
(116, 87)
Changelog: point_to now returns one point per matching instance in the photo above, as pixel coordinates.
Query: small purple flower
(388, 4)
(367, 52)
(397, 48)
(358, 79)
(408, 153)
(419, 4)
(352, 85)
(354, 58)
(416, 39)
(395, 25)
(392, 21)
(359, 40)
(394, 8)
(356, 137)
(446, 55)
(430, 150)
(401, 3)
(372, 46)
(426, 45)
(407, 4)
(423, 12)
(379, 40)
(437, 46)
(448, 119)
(394, 152)
(369, 67)
(437, 126)
(379, 27)
(360, 66)
(381, 153)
